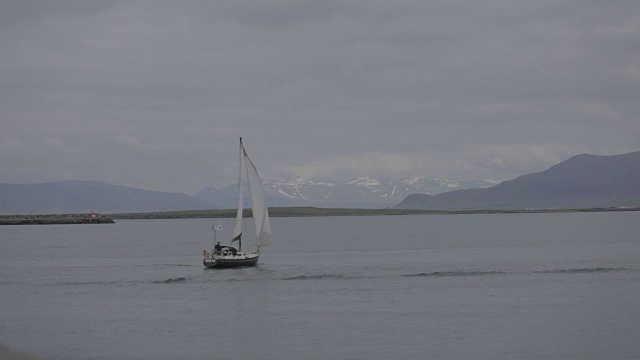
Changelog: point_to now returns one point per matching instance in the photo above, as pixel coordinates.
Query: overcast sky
(154, 94)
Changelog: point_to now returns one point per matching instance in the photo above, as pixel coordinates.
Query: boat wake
(322, 277)
(171, 281)
(165, 265)
(455, 273)
(581, 270)
(175, 265)
(88, 283)
(481, 273)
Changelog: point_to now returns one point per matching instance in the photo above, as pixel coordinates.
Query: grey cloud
(285, 14)
(33, 11)
(451, 88)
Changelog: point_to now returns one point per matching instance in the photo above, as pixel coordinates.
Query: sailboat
(230, 256)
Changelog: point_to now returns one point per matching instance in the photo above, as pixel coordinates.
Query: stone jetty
(52, 219)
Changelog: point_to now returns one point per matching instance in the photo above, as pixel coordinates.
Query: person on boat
(218, 247)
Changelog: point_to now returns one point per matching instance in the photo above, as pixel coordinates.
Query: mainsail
(258, 203)
(237, 230)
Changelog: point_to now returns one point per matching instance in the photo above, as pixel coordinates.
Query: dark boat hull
(226, 262)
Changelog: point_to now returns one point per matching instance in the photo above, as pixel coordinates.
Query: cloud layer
(154, 94)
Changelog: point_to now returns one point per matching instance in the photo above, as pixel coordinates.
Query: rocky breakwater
(53, 219)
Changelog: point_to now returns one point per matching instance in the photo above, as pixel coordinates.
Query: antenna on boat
(215, 232)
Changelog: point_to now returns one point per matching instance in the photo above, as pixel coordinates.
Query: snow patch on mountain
(362, 181)
(298, 181)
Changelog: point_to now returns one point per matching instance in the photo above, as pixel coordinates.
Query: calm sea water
(520, 286)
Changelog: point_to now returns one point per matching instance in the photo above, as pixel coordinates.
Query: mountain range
(360, 192)
(582, 181)
(579, 182)
(86, 196)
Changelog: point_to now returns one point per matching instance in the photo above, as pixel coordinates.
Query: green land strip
(313, 211)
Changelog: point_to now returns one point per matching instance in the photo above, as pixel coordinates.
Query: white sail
(258, 203)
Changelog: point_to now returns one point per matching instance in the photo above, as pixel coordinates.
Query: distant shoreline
(313, 212)
(51, 219)
(54, 219)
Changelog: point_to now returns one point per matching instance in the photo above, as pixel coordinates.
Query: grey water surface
(511, 286)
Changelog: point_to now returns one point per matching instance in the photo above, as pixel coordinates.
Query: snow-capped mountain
(358, 192)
